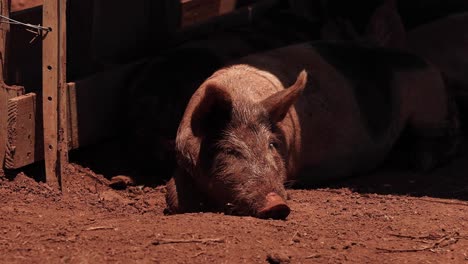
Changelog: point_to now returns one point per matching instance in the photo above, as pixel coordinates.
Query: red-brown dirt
(386, 217)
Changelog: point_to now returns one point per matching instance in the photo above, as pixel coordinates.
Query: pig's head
(239, 151)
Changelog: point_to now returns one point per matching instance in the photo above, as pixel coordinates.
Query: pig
(244, 137)
(159, 94)
(443, 42)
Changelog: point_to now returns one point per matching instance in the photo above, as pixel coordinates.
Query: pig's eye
(233, 152)
(273, 145)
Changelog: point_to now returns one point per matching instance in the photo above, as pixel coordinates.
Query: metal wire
(35, 29)
(38, 28)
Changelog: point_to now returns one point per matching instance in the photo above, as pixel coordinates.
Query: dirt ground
(389, 216)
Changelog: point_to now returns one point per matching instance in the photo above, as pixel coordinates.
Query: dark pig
(244, 135)
(443, 42)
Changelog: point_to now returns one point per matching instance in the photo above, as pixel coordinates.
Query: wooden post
(5, 28)
(6, 92)
(22, 5)
(54, 93)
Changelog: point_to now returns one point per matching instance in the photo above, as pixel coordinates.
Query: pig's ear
(213, 112)
(278, 104)
(386, 28)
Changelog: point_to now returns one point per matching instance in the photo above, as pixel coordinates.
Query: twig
(293, 238)
(437, 244)
(198, 254)
(313, 256)
(421, 238)
(174, 241)
(98, 228)
(413, 237)
(442, 201)
(387, 250)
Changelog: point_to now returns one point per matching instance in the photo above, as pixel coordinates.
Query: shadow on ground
(449, 181)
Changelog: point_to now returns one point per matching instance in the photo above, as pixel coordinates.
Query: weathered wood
(6, 92)
(3, 93)
(24, 144)
(73, 138)
(94, 105)
(5, 28)
(19, 5)
(226, 6)
(62, 90)
(54, 87)
(197, 11)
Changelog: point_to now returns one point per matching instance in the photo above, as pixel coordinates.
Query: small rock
(278, 258)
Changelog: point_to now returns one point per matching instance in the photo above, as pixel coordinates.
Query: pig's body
(355, 105)
(444, 42)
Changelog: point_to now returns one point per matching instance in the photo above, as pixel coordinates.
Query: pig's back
(445, 43)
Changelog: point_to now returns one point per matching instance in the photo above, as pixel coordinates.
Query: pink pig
(303, 114)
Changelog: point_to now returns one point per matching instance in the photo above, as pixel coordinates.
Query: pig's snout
(275, 207)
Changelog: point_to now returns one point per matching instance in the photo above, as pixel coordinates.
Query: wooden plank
(62, 91)
(94, 105)
(5, 29)
(197, 11)
(54, 62)
(227, 6)
(242, 15)
(73, 134)
(4, 96)
(19, 5)
(6, 92)
(50, 64)
(24, 144)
